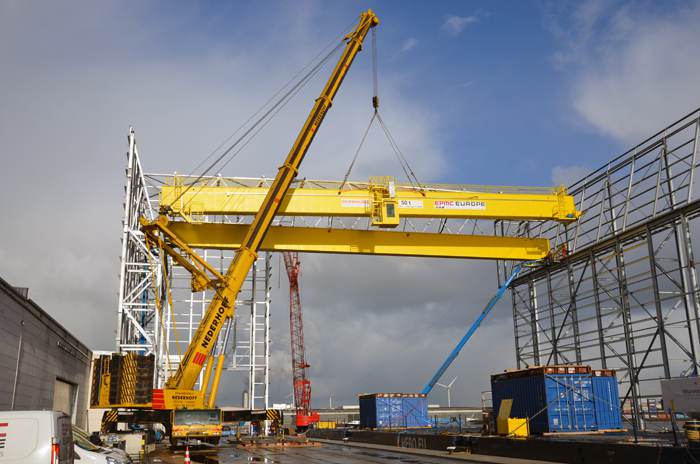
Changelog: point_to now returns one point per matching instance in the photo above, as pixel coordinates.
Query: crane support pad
(366, 242)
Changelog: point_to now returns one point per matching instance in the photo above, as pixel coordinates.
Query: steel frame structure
(157, 310)
(138, 277)
(626, 296)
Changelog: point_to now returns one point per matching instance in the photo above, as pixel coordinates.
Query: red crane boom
(302, 385)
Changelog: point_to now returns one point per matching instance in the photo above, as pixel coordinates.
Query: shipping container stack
(394, 411)
(568, 398)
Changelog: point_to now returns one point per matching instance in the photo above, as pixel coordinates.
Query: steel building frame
(626, 296)
(151, 322)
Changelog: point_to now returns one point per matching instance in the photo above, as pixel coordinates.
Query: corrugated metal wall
(48, 355)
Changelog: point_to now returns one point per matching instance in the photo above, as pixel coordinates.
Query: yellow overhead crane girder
(364, 242)
(381, 199)
(372, 201)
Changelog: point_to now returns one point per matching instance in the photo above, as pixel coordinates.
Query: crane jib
(300, 152)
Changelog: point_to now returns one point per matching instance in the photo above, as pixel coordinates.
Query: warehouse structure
(42, 366)
(626, 294)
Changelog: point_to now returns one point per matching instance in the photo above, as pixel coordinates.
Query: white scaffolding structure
(165, 333)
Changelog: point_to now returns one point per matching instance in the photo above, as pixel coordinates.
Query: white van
(87, 452)
(35, 437)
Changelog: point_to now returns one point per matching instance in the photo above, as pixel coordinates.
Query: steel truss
(158, 312)
(626, 297)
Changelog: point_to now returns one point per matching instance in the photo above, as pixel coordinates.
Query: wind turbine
(448, 387)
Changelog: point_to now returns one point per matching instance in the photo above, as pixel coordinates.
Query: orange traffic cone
(187, 455)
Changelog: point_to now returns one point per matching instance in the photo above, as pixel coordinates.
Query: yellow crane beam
(410, 203)
(363, 242)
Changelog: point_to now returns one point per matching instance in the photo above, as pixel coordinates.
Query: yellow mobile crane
(193, 411)
(187, 412)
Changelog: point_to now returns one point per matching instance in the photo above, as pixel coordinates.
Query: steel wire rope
(273, 110)
(399, 154)
(267, 102)
(262, 120)
(357, 152)
(375, 104)
(403, 161)
(277, 110)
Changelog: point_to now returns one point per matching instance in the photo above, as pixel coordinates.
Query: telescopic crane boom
(178, 393)
(222, 305)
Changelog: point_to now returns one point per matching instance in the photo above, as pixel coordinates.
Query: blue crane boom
(475, 325)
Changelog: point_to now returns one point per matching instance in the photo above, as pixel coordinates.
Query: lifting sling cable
(271, 112)
(475, 325)
(375, 103)
(403, 162)
(357, 152)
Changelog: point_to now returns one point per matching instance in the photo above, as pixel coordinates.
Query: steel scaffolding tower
(138, 277)
(626, 296)
(146, 285)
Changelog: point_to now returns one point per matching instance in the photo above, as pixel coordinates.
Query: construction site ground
(332, 453)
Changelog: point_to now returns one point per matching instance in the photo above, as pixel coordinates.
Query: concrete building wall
(42, 366)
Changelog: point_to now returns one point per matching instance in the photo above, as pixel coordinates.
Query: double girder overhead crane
(383, 202)
(180, 229)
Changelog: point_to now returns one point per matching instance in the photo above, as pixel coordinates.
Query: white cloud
(634, 71)
(575, 33)
(409, 44)
(454, 25)
(567, 175)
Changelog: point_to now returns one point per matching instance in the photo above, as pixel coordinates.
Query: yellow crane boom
(221, 307)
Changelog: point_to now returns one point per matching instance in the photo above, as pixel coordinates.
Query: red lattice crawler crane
(302, 385)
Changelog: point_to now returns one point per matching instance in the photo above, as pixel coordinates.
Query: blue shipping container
(553, 398)
(607, 400)
(394, 410)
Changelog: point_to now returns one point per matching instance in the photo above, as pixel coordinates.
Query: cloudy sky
(512, 93)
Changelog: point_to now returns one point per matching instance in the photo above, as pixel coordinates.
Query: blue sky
(484, 70)
(496, 79)
(510, 93)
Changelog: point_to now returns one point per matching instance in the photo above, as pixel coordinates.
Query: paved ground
(328, 453)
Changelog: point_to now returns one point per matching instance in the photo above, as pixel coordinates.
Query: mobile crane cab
(205, 425)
